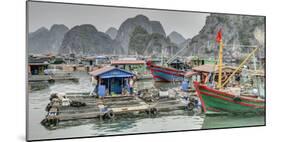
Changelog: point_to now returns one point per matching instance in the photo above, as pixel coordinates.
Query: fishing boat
(218, 99)
(166, 74)
(162, 72)
(221, 101)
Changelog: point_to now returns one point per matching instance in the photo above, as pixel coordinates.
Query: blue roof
(101, 57)
(111, 72)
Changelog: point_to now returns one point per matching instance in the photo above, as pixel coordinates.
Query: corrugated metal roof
(127, 62)
(37, 60)
(210, 68)
(101, 70)
(37, 64)
(205, 68)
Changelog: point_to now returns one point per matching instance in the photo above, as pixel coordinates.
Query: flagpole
(220, 63)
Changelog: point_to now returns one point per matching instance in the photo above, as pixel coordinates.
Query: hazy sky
(46, 14)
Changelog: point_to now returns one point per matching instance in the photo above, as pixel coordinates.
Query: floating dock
(50, 78)
(75, 106)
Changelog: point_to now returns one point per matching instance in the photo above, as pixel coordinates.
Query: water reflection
(224, 121)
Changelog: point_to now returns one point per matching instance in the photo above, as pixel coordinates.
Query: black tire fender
(190, 106)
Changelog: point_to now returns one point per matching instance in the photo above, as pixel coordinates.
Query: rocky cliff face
(139, 35)
(176, 38)
(112, 32)
(87, 40)
(143, 43)
(236, 30)
(44, 41)
(128, 26)
(185, 44)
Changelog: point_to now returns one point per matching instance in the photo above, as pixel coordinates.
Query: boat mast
(220, 63)
(214, 69)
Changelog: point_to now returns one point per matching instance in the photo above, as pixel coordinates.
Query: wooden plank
(169, 107)
(132, 102)
(79, 116)
(130, 109)
(34, 78)
(78, 110)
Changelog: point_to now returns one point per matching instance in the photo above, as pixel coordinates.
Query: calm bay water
(232, 121)
(173, 122)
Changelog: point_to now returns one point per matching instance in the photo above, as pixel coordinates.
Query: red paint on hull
(230, 95)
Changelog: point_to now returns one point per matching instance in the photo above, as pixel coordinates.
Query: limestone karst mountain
(44, 41)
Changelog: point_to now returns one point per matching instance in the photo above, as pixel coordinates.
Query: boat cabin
(208, 69)
(196, 61)
(114, 79)
(154, 61)
(178, 64)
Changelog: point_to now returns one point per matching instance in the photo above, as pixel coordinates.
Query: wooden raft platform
(83, 106)
(91, 107)
(38, 78)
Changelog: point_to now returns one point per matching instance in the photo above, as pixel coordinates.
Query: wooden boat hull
(165, 74)
(219, 101)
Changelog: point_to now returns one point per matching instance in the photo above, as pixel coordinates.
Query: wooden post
(220, 64)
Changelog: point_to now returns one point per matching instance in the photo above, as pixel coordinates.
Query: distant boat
(220, 101)
(166, 74)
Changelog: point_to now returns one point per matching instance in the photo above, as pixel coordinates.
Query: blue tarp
(101, 90)
(184, 85)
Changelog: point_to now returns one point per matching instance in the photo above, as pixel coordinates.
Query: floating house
(114, 79)
(130, 65)
(94, 60)
(70, 59)
(36, 66)
(89, 61)
(58, 60)
(102, 60)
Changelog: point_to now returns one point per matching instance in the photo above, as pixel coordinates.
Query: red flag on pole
(219, 36)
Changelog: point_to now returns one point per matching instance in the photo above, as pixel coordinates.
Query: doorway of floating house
(115, 85)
